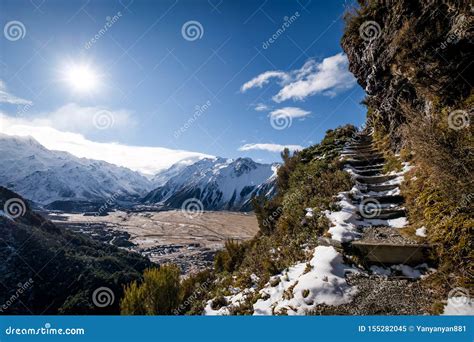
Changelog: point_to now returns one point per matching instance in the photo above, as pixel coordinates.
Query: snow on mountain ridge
(218, 183)
(45, 176)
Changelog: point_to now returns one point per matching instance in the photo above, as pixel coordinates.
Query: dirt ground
(167, 236)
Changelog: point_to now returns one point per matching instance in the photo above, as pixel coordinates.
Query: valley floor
(166, 236)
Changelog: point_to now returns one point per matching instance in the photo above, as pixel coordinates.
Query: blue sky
(160, 86)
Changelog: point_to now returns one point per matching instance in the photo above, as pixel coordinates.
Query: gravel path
(379, 295)
(386, 235)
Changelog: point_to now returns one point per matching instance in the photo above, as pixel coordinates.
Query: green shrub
(231, 257)
(133, 301)
(193, 290)
(158, 294)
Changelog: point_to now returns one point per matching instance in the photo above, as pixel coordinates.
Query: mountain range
(218, 183)
(60, 180)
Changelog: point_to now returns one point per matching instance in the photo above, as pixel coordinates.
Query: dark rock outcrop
(409, 56)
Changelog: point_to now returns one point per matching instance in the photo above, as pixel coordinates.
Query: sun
(81, 77)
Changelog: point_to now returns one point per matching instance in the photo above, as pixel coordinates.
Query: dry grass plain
(169, 236)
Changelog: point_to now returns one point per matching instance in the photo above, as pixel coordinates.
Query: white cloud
(289, 112)
(6, 97)
(261, 107)
(330, 75)
(269, 147)
(147, 160)
(263, 79)
(74, 118)
(327, 78)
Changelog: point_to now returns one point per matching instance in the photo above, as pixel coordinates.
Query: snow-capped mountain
(45, 176)
(220, 184)
(160, 178)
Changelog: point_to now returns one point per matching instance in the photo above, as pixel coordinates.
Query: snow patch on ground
(233, 301)
(458, 306)
(416, 272)
(421, 231)
(344, 222)
(301, 287)
(394, 223)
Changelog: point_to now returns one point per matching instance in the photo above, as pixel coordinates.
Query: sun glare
(81, 78)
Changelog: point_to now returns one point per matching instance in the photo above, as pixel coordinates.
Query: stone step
(361, 146)
(362, 137)
(356, 152)
(365, 162)
(362, 156)
(368, 167)
(369, 172)
(391, 254)
(374, 179)
(396, 199)
(382, 214)
(364, 188)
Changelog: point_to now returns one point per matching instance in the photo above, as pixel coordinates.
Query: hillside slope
(48, 270)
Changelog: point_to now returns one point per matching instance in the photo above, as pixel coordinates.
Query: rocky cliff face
(410, 56)
(415, 61)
